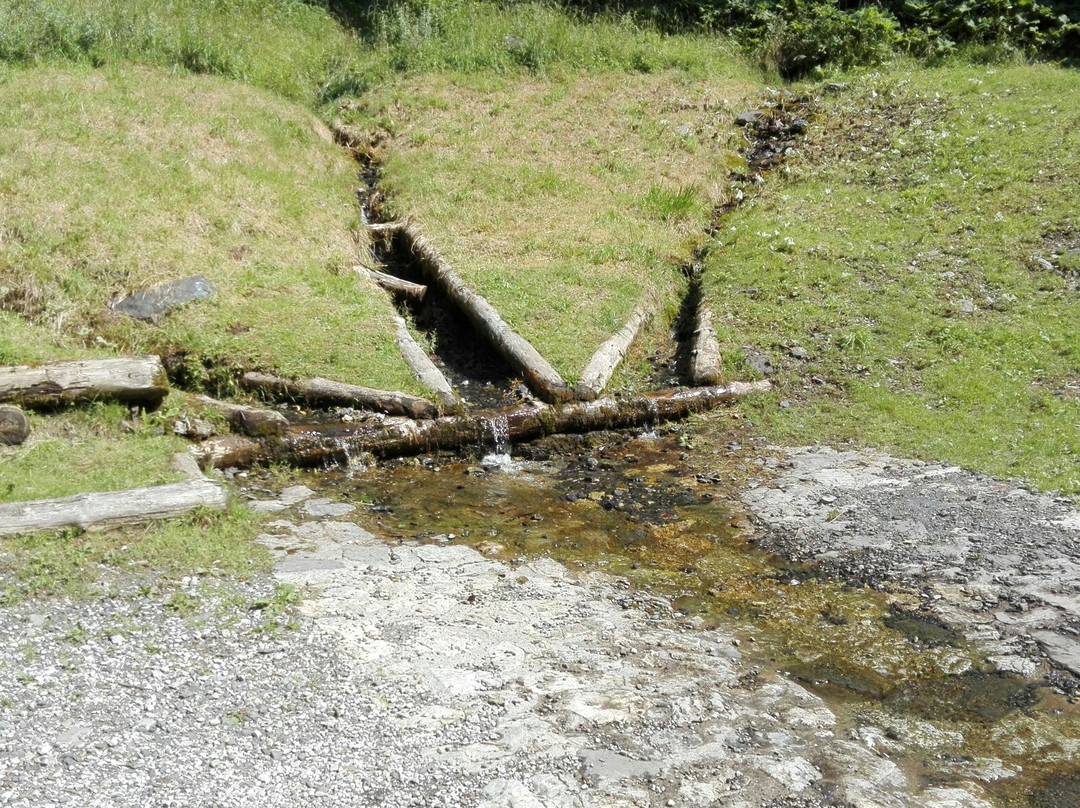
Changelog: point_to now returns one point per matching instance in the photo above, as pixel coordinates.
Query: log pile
(394, 437)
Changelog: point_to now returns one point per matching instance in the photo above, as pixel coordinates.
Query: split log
(602, 365)
(392, 284)
(251, 421)
(395, 437)
(134, 380)
(326, 393)
(705, 350)
(14, 426)
(426, 370)
(90, 511)
(518, 352)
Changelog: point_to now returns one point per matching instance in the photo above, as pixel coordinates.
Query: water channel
(664, 511)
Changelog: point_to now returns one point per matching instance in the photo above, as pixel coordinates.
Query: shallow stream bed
(672, 520)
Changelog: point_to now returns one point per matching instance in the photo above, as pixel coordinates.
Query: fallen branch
(518, 352)
(602, 365)
(705, 350)
(327, 393)
(394, 437)
(92, 511)
(393, 284)
(426, 371)
(134, 380)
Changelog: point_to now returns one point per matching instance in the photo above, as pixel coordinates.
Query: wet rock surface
(992, 559)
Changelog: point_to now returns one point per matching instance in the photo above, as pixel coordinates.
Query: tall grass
(470, 35)
(288, 46)
(303, 52)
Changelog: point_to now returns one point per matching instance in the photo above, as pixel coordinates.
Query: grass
(63, 455)
(921, 260)
(69, 563)
(563, 200)
(115, 179)
(293, 48)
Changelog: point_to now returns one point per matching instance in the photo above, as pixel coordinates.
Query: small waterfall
(500, 457)
(652, 420)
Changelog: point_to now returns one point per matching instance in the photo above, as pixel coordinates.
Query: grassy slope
(119, 178)
(924, 191)
(564, 200)
(295, 49)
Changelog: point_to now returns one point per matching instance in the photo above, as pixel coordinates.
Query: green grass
(562, 200)
(68, 563)
(65, 453)
(906, 259)
(293, 48)
(115, 179)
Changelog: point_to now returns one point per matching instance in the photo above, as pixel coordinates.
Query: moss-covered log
(394, 437)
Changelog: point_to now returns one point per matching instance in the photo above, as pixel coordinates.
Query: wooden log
(14, 426)
(705, 350)
(387, 227)
(327, 393)
(518, 352)
(134, 380)
(395, 437)
(602, 364)
(91, 511)
(392, 284)
(252, 421)
(426, 370)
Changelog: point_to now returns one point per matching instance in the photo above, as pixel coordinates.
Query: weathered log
(252, 421)
(392, 284)
(135, 380)
(426, 370)
(394, 437)
(602, 365)
(518, 352)
(387, 227)
(14, 426)
(89, 511)
(705, 350)
(326, 393)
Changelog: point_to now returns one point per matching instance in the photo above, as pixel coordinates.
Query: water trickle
(499, 457)
(651, 421)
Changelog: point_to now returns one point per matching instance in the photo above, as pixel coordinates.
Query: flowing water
(669, 519)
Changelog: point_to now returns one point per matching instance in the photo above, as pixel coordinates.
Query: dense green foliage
(797, 36)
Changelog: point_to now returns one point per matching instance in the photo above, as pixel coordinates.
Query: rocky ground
(990, 557)
(421, 675)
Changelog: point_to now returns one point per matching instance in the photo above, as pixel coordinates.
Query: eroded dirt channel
(911, 659)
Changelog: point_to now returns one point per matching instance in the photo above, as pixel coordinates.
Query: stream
(666, 512)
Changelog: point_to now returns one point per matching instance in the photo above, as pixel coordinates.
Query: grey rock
(966, 306)
(323, 508)
(150, 304)
(748, 117)
(759, 361)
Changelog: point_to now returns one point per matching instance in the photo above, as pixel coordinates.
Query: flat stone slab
(152, 303)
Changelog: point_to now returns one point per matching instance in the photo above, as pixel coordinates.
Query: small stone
(798, 353)
(748, 117)
(37, 620)
(966, 306)
(785, 404)
(117, 639)
(324, 508)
